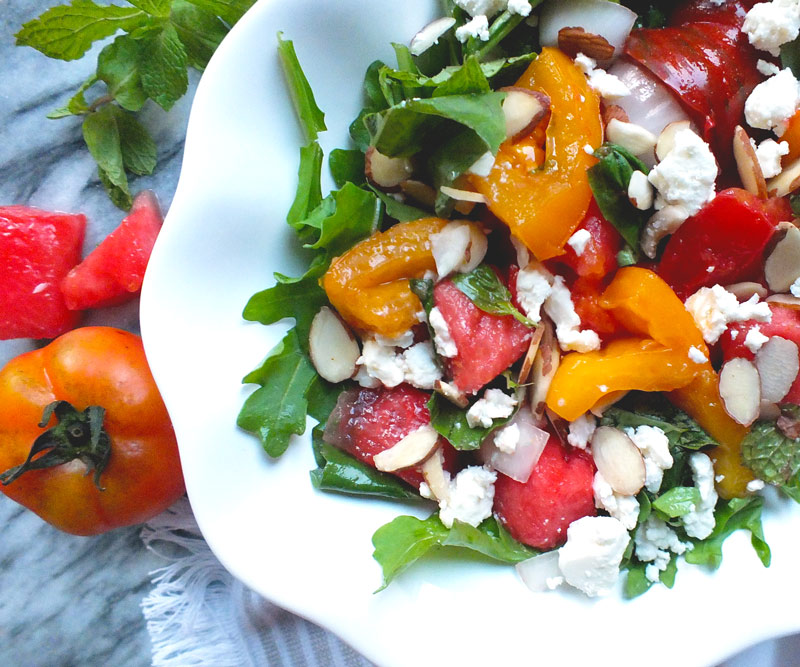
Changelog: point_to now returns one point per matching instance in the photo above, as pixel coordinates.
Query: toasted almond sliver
(545, 365)
(747, 164)
(412, 449)
(451, 393)
(619, 460)
(530, 355)
(463, 195)
(385, 171)
(786, 300)
(435, 477)
(332, 347)
(786, 182)
(573, 41)
(740, 390)
(778, 364)
(782, 267)
(743, 291)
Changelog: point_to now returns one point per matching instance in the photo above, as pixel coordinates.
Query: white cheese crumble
(640, 191)
(769, 153)
(379, 363)
(521, 7)
(700, 522)
(685, 177)
(561, 310)
(773, 102)
(579, 240)
(754, 340)
(713, 308)
(533, 288)
(420, 369)
(623, 508)
(471, 497)
(494, 405)
(755, 485)
(696, 355)
(591, 557)
(654, 446)
(582, 430)
(445, 345)
(795, 288)
(768, 25)
(476, 27)
(654, 540)
(486, 7)
(608, 86)
(767, 69)
(507, 438)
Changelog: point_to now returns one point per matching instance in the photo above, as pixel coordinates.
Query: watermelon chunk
(113, 272)
(558, 492)
(37, 249)
(487, 344)
(366, 422)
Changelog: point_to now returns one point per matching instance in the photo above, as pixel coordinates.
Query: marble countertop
(71, 600)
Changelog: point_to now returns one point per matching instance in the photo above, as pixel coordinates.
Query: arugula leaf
(732, 515)
(636, 582)
(342, 473)
(321, 396)
(398, 210)
(346, 166)
(406, 539)
(163, 70)
(312, 120)
(770, 454)
(67, 31)
(277, 410)
(309, 191)
(485, 289)
(609, 180)
(679, 500)
(450, 421)
(357, 215)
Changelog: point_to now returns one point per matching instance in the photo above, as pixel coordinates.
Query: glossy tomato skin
(113, 272)
(722, 244)
(91, 366)
(37, 249)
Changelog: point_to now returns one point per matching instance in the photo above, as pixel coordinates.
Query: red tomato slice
(722, 244)
(37, 249)
(113, 272)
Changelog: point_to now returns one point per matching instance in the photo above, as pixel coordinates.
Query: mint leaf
(343, 473)
(118, 67)
(139, 153)
(406, 539)
(485, 289)
(157, 8)
(277, 410)
(77, 105)
(680, 428)
(67, 31)
(679, 500)
(229, 11)
(770, 454)
(102, 137)
(732, 515)
(312, 120)
(199, 30)
(163, 66)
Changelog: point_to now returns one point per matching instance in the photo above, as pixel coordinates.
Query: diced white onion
(541, 573)
(519, 464)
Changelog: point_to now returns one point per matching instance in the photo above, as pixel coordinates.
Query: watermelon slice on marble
(37, 249)
(487, 344)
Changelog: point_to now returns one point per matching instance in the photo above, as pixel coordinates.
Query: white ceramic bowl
(311, 552)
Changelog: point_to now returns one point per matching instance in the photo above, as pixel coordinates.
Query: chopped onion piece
(519, 464)
(541, 573)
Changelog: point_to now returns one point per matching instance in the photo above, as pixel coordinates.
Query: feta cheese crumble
(754, 340)
(654, 446)
(582, 430)
(591, 557)
(494, 405)
(608, 86)
(795, 288)
(561, 310)
(755, 485)
(654, 540)
(700, 522)
(713, 308)
(471, 497)
(478, 7)
(767, 69)
(696, 355)
(476, 27)
(773, 102)
(507, 438)
(445, 345)
(623, 508)
(579, 240)
(533, 288)
(379, 363)
(769, 153)
(769, 25)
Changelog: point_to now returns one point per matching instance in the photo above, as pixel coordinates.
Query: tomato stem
(76, 435)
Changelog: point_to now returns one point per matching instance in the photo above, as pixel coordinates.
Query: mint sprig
(161, 40)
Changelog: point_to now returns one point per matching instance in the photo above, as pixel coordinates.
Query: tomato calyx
(77, 435)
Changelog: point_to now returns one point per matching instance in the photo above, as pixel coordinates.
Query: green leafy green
(405, 539)
(346, 166)
(451, 422)
(163, 71)
(229, 11)
(312, 120)
(677, 501)
(200, 30)
(680, 428)
(770, 454)
(609, 180)
(485, 289)
(309, 191)
(118, 67)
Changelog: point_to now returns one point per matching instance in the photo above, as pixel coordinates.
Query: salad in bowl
(555, 293)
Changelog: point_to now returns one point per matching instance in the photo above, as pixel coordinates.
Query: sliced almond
(743, 291)
(530, 355)
(545, 365)
(785, 300)
(523, 109)
(618, 460)
(747, 164)
(435, 476)
(384, 171)
(420, 192)
(661, 224)
(614, 112)
(769, 411)
(430, 34)
(782, 267)
(412, 449)
(332, 346)
(740, 390)
(451, 393)
(786, 182)
(573, 41)
(635, 138)
(778, 364)
(558, 425)
(463, 195)
(666, 140)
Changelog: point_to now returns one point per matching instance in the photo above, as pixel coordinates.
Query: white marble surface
(68, 600)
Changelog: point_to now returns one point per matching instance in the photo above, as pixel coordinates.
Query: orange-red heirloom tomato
(114, 465)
